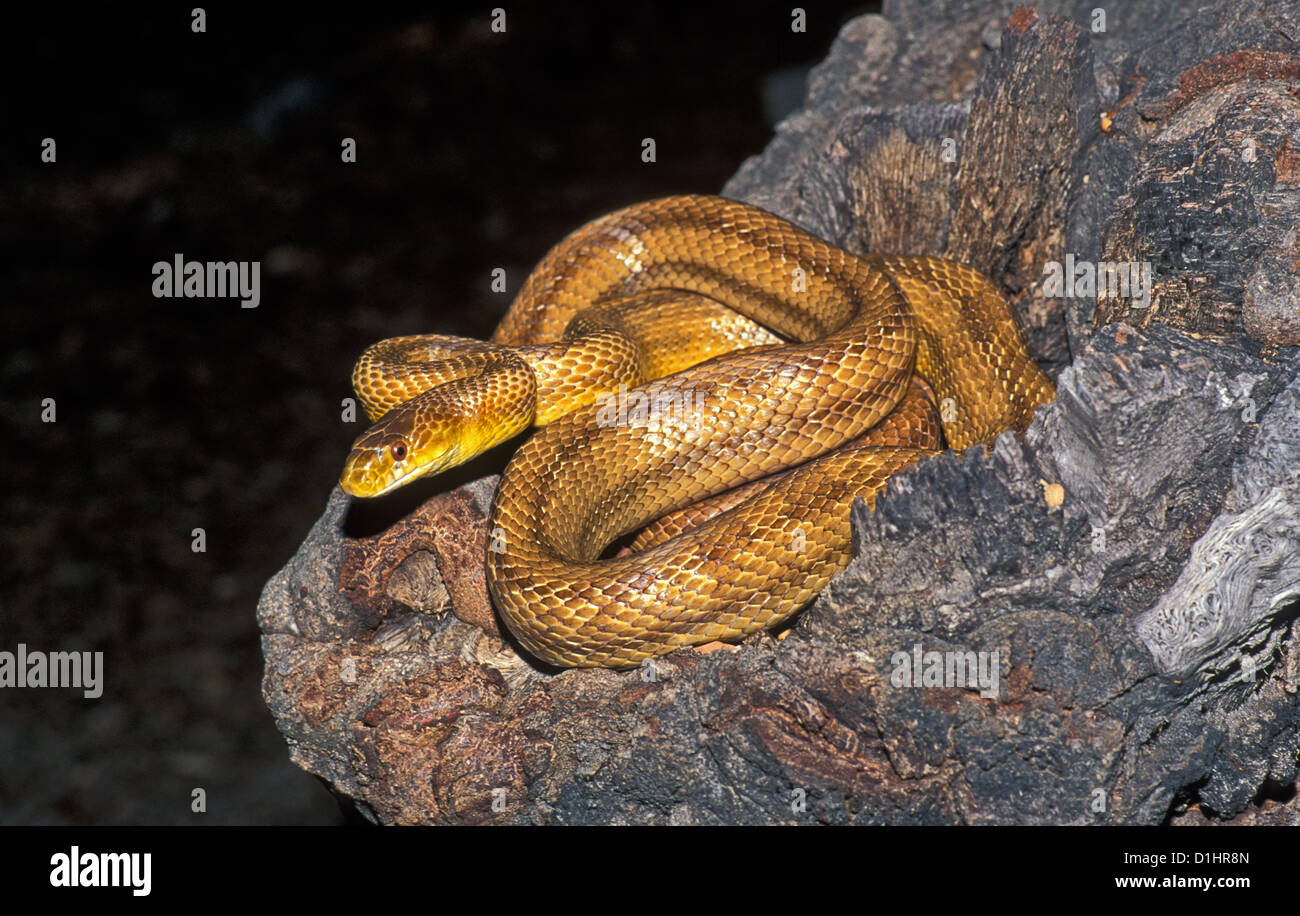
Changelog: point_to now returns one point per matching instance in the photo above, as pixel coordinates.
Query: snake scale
(714, 377)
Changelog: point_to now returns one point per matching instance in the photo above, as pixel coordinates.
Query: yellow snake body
(641, 293)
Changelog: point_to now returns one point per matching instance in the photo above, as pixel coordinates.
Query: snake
(708, 387)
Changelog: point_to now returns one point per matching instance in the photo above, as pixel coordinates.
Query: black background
(475, 150)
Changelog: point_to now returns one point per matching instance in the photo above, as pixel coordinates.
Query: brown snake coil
(656, 451)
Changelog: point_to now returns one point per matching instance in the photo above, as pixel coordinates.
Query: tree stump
(1094, 624)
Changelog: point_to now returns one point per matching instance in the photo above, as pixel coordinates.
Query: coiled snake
(651, 348)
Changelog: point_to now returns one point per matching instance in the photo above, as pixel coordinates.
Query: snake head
(404, 445)
(434, 431)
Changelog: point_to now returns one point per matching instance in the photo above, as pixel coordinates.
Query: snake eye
(397, 448)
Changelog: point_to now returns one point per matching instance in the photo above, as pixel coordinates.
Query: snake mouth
(360, 491)
(368, 474)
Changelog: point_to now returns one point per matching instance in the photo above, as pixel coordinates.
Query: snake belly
(862, 327)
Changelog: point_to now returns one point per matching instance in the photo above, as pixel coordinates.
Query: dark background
(475, 150)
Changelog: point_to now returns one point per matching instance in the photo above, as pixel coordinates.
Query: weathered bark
(1134, 562)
